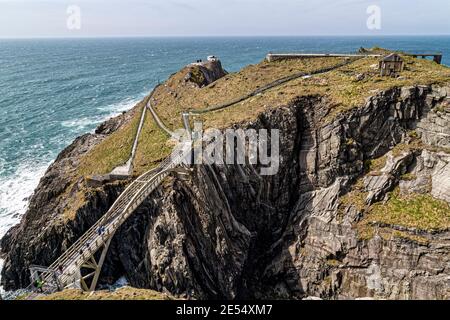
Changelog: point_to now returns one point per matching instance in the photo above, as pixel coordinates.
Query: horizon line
(216, 36)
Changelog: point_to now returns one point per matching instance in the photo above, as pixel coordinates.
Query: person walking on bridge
(101, 230)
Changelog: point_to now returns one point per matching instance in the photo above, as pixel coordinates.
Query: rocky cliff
(333, 223)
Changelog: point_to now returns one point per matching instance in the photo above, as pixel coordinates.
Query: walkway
(126, 170)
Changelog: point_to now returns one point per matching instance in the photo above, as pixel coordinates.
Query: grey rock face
(441, 184)
(210, 70)
(378, 186)
(228, 233)
(431, 173)
(433, 126)
(41, 236)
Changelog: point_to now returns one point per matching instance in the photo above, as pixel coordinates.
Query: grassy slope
(125, 293)
(340, 86)
(154, 146)
(414, 211)
(169, 105)
(422, 213)
(176, 96)
(115, 150)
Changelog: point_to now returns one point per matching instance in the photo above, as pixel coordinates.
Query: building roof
(393, 57)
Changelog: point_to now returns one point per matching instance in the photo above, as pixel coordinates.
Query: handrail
(136, 139)
(270, 86)
(114, 218)
(74, 265)
(103, 218)
(158, 121)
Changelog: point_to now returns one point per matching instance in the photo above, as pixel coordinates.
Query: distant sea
(53, 90)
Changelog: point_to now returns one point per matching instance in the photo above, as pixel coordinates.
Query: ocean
(53, 90)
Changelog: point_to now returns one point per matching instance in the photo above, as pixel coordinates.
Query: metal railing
(69, 263)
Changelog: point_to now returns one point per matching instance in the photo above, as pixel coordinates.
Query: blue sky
(48, 18)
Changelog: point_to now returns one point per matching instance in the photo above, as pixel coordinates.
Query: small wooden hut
(391, 65)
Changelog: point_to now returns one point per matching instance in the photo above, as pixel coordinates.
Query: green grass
(367, 231)
(417, 211)
(413, 134)
(421, 212)
(338, 87)
(125, 293)
(177, 96)
(169, 106)
(115, 150)
(355, 197)
(408, 177)
(153, 147)
(375, 165)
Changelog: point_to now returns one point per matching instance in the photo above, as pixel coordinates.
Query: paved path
(287, 56)
(127, 169)
(158, 121)
(272, 85)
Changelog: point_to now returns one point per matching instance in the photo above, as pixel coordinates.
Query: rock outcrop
(205, 73)
(228, 233)
(379, 185)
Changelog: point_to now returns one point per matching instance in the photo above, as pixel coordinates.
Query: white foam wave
(82, 123)
(108, 111)
(120, 107)
(16, 189)
(15, 192)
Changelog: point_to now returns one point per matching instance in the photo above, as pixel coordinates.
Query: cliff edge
(359, 207)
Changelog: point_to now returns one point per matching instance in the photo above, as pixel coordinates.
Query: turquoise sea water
(52, 91)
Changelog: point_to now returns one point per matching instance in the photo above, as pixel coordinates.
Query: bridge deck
(437, 57)
(286, 56)
(69, 263)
